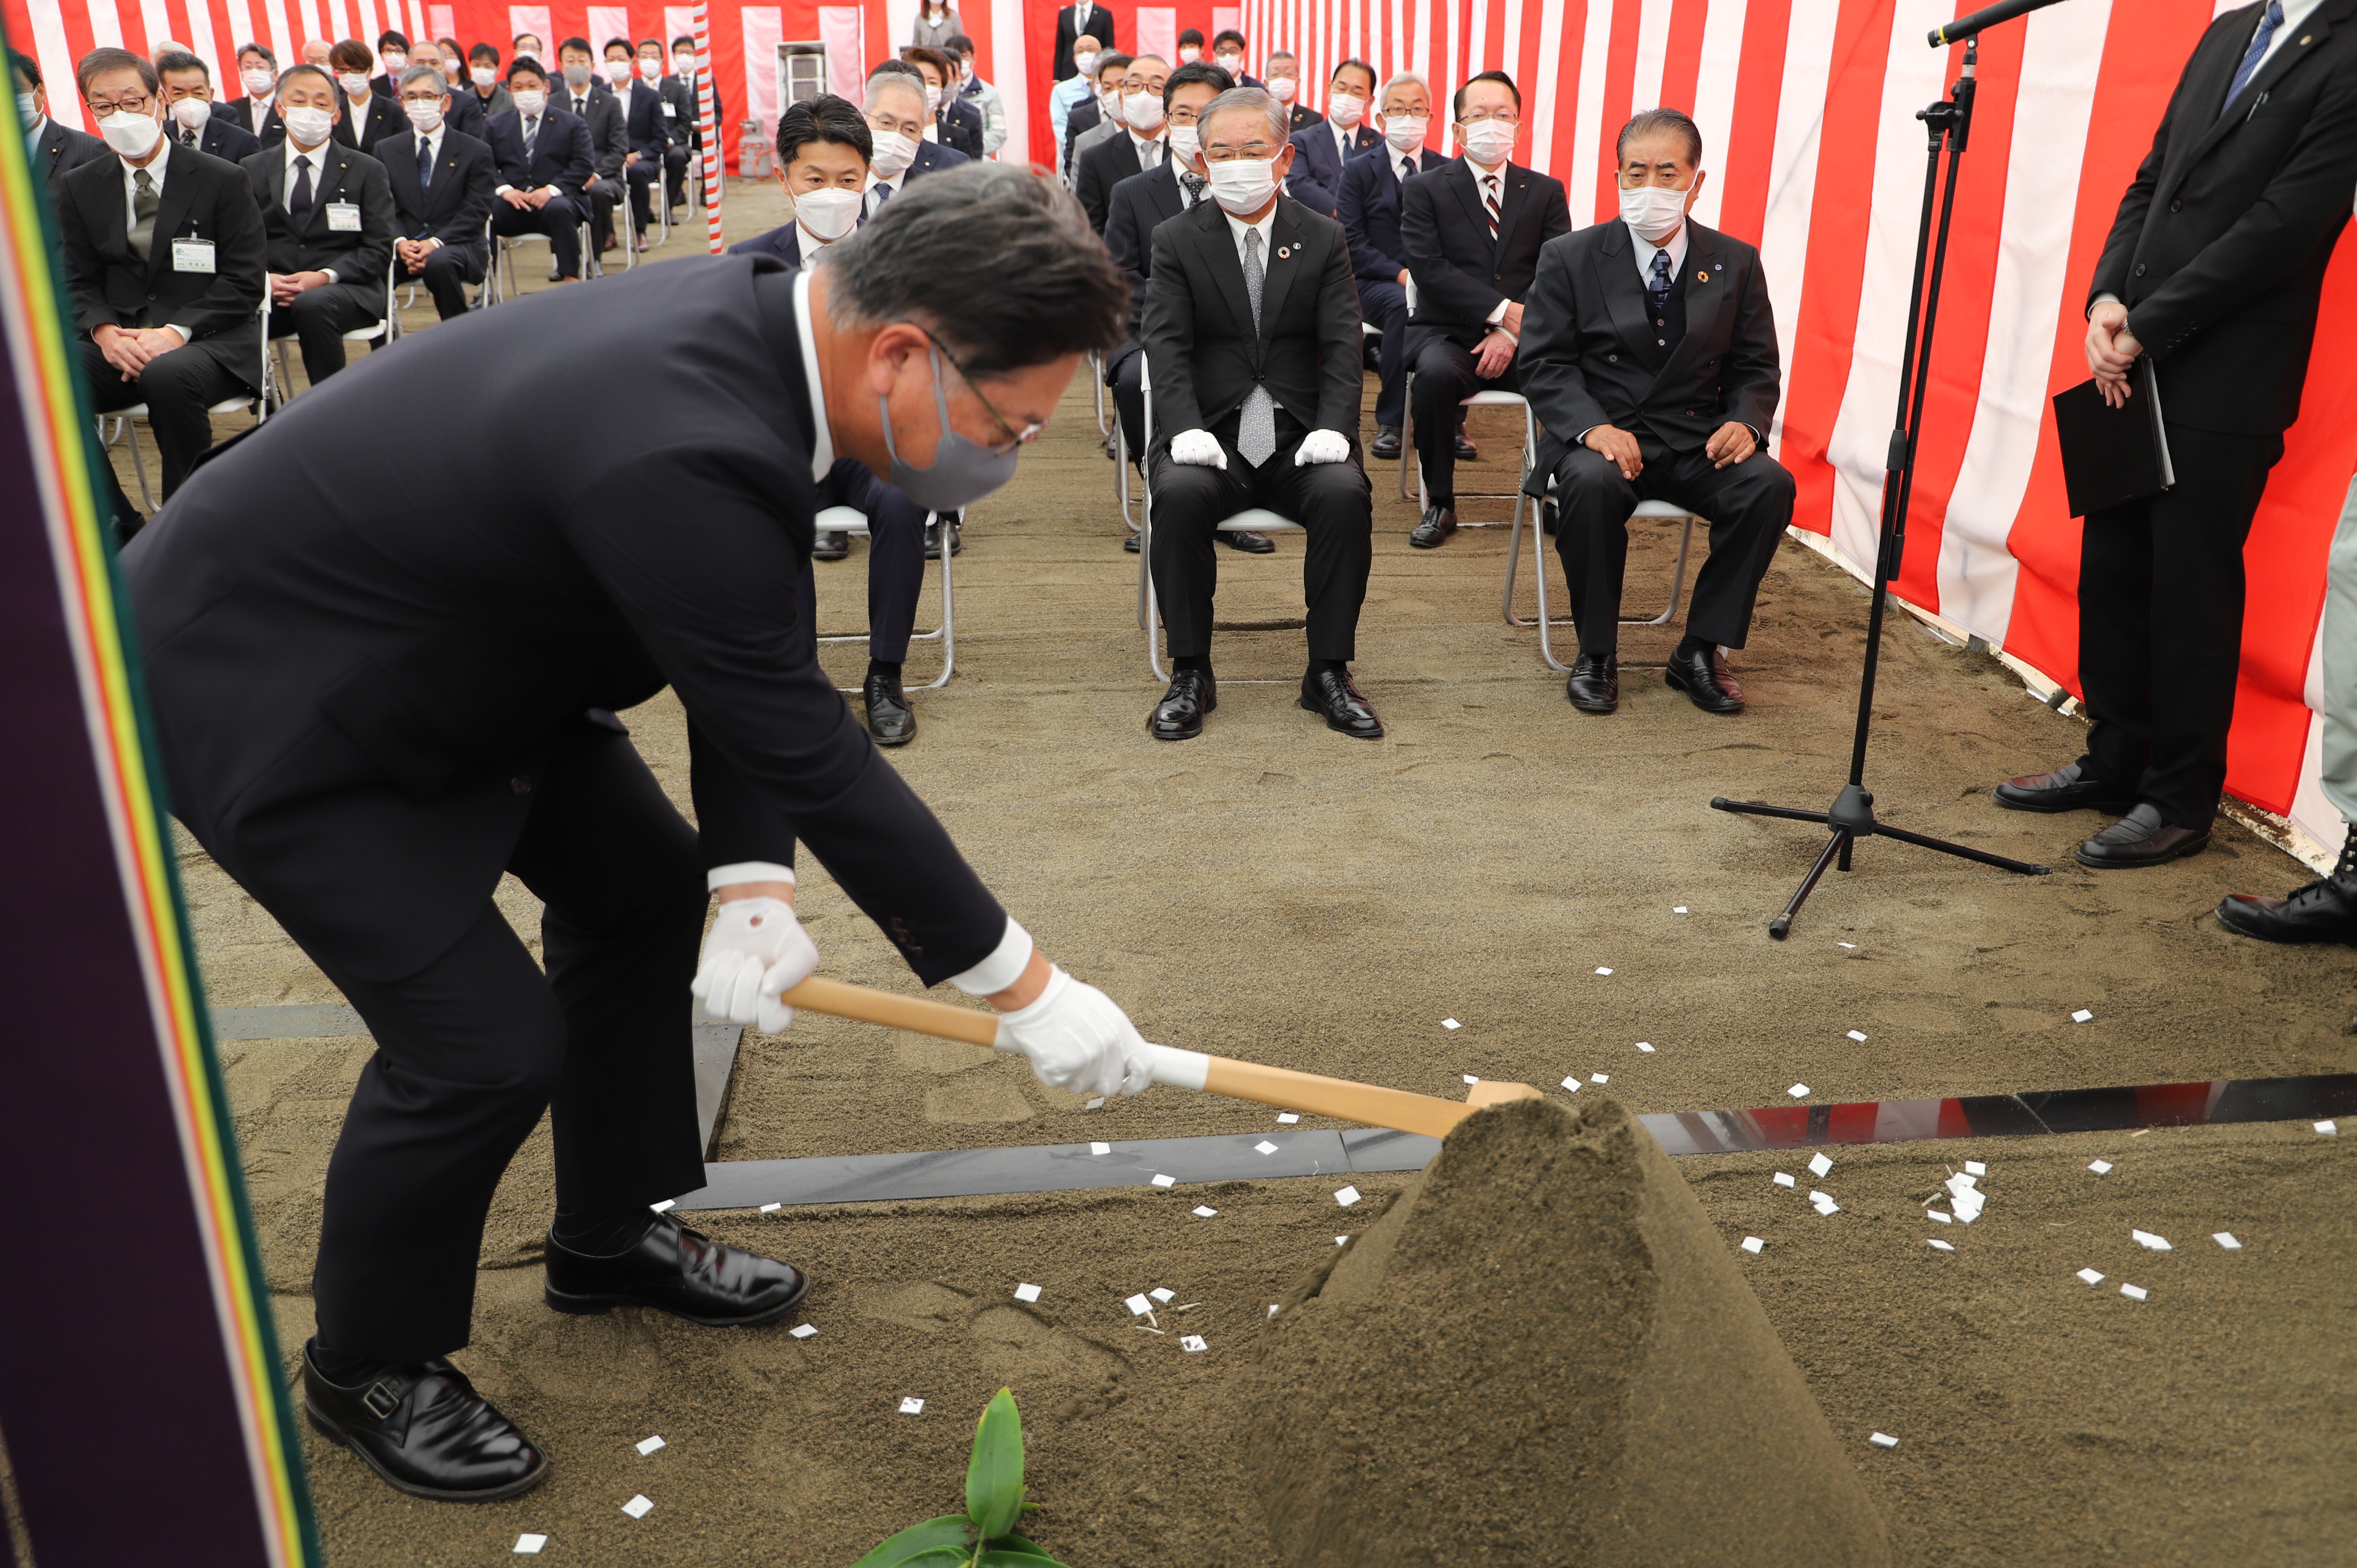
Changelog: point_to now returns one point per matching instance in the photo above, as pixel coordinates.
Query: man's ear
(1695, 188)
(1284, 160)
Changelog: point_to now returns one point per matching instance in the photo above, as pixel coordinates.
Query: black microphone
(1987, 17)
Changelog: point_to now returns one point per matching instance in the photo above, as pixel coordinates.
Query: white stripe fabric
(1793, 168)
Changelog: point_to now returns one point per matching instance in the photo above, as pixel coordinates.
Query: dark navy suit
(1369, 212)
(221, 138)
(562, 157)
(1314, 155)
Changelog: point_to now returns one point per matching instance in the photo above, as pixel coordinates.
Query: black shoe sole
(1319, 709)
(2259, 936)
(1611, 707)
(1670, 679)
(1422, 543)
(903, 739)
(2189, 848)
(2109, 808)
(1166, 735)
(592, 1306)
(329, 1430)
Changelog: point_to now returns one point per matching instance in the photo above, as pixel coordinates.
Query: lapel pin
(1702, 277)
(1283, 252)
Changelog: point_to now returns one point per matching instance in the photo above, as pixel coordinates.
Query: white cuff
(721, 876)
(1002, 968)
(1497, 315)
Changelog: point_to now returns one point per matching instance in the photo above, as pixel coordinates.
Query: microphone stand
(1851, 816)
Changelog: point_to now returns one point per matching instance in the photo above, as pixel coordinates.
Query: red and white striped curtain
(1813, 153)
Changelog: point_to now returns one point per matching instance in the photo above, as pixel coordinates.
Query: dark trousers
(317, 319)
(1330, 500)
(2160, 623)
(675, 176)
(560, 221)
(1749, 505)
(1383, 306)
(178, 388)
(1443, 379)
(1125, 373)
(641, 176)
(896, 557)
(446, 273)
(473, 1048)
(604, 197)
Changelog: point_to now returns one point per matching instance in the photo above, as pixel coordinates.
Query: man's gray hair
(911, 80)
(420, 73)
(997, 262)
(1403, 78)
(1259, 100)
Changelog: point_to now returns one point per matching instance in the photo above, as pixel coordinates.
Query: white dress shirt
(318, 156)
(893, 185)
(1497, 315)
(130, 205)
(2294, 12)
(1239, 227)
(822, 437)
(1150, 150)
(1646, 251)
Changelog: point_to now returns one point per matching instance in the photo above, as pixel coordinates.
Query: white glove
(1200, 447)
(1078, 1038)
(1322, 447)
(756, 950)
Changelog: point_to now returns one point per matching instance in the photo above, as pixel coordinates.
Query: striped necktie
(1490, 203)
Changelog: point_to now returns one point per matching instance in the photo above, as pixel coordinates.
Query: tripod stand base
(1851, 817)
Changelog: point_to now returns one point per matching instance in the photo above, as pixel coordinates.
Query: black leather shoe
(889, 718)
(2323, 911)
(679, 1271)
(1466, 451)
(1439, 523)
(830, 546)
(1130, 544)
(1333, 693)
(2064, 789)
(2141, 838)
(426, 1430)
(934, 538)
(1180, 714)
(1385, 447)
(1704, 678)
(1250, 543)
(1595, 683)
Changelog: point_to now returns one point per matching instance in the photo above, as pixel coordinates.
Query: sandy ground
(1276, 891)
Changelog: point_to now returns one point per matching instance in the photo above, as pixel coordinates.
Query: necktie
(1661, 290)
(1256, 429)
(1194, 184)
(188, 137)
(424, 166)
(298, 200)
(1407, 169)
(144, 203)
(2257, 52)
(531, 136)
(1490, 203)
(883, 194)
(1150, 156)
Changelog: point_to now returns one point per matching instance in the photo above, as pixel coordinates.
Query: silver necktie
(1257, 430)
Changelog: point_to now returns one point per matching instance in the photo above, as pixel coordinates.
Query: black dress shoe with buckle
(1245, 540)
(1704, 678)
(2064, 789)
(1595, 683)
(1333, 693)
(889, 718)
(424, 1430)
(2323, 911)
(1466, 451)
(1385, 447)
(2141, 838)
(1180, 714)
(830, 545)
(678, 1271)
(1439, 523)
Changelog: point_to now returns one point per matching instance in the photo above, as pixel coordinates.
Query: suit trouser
(559, 220)
(446, 273)
(641, 177)
(1383, 306)
(1330, 500)
(675, 176)
(474, 1047)
(1444, 378)
(1126, 374)
(2160, 623)
(896, 557)
(604, 197)
(178, 389)
(317, 319)
(2338, 655)
(1749, 505)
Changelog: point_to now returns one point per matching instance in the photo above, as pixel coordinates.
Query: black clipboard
(2112, 455)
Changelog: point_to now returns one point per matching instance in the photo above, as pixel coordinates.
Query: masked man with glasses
(441, 180)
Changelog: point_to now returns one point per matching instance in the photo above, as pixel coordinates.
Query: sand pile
(1543, 1353)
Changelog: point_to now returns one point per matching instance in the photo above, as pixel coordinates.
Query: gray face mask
(961, 471)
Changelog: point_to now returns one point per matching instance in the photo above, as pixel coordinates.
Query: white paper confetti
(1852, 946)
(2134, 1292)
(1347, 1197)
(2082, 1017)
(651, 1444)
(1799, 1091)
(1934, 1213)
(1974, 1168)
(2227, 1239)
(2329, 1129)
(1752, 1244)
(804, 1330)
(1027, 1293)
(1816, 1197)
(1784, 1178)
(1958, 1180)
(1828, 1208)
(2100, 1167)
(912, 1406)
(1097, 1102)
(528, 1544)
(1162, 1293)
(1200, 1212)
(1288, 1117)
(772, 1208)
(2090, 1276)
(1603, 972)
(1572, 1083)
(1859, 1035)
(1645, 1046)
(1820, 1165)
(1138, 1306)
(1339, 1239)
(1265, 1147)
(1272, 1309)
(1677, 909)
(1165, 1181)
(1450, 1024)
(667, 1204)
(1882, 1440)
(2150, 1242)
(641, 1506)
(1936, 1241)
(1100, 1148)
(1191, 1342)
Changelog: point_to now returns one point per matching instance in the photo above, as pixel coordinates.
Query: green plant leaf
(993, 1479)
(995, 1558)
(915, 1546)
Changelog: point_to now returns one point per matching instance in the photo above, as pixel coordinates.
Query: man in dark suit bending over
(1251, 345)
(1649, 353)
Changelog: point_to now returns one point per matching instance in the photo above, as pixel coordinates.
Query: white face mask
(28, 112)
(1243, 185)
(1143, 110)
(1653, 211)
(651, 69)
(259, 83)
(1487, 141)
(1282, 87)
(933, 99)
(892, 155)
(828, 214)
(1186, 144)
(1403, 132)
(192, 112)
(307, 127)
(1086, 64)
(617, 73)
(392, 63)
(1345, 109)
(425, 114)
(528, 102)
(1109, 105)
(1189, 55)
(685, 65)
(1232, 64)
(132, 135)
(482, 75)
(354, 84)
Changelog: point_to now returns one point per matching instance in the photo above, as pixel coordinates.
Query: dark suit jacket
(1138, 206)
(643, 126)
(1306, 190)
(1314, 152)
(960, 125)
(2222, 242)
(241, 112)
(384, 118)
(1200, 342)
(62, 149)
(453, 209)
(785, 241)
(1369, 212)
(1591, 354)
(1102, 22)
(1102, 168)
(1302, 117)
(221, 138)
(931, 156)
(1460, 272)
(203, 197)
(609, 135)
(467, 116)
(679, 110)
(335, 709)
(358, 257)
(1085, 114)
(694, 111)
(562, 157)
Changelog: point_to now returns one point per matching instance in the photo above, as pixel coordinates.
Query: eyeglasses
(1231, 154)
(139, 104)
(1030, 432)
(1502, 116)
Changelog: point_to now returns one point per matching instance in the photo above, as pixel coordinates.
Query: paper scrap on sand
(1646, 1047)
(1752, 1244)
(1677, 909)
(1469, 1078)
(2082, 1017)
(1784, 1178)
(1600, 1078)
(1450, 1024)
(1603, 972)
(1288, 1117)
(651, 1444)
(2100, 1167)
(2227, 1239)
(1820, 1163)
(1859, 1035)
(912, 1406)
(2329, 1129)
(1852, 946)
(772, 1208)
(803, 1331)
(1799, 1091)
(2150, 1242)
(1162, 1293)
(528, 1544)
(1347, 1197)
(1138, 1306)
(1936, 1241)
(1027, 1293)
(1572, 1083)
(1883, 1440)
(1192, 1342)
(2134, 1292)
(1265, 1147)
(1202, 1212)
(1165, 1181)
(1094, 1104)
(2090, 1276)
(1974, 1168)
(1100, 1148)
(639, 1507)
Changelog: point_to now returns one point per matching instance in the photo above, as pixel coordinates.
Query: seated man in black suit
(544, 156)
(480, 93)
(257, 74)
(1649, 353)
(1251, 339)
(695, 82)
(678, 109)
(52, 149)
(1471, 232)
(393, 54)
(1327, 143)
(954, 122)
(896, 114)
(441, 182)
(582, 92)
(364, 118)
(162, 254)
(646, 138)
(188, 98)
(328, 213)
(1370, 202)
(1284, 85)
(1139, 146)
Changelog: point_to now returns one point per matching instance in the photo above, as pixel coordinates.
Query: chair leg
(1121, 473)
(138, 464)
(1539, 576)
(1677, 579)
(1407, 447)
(1150, 607)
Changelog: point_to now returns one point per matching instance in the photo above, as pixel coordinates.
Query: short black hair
(1227, 36)
(483, 52)
(656, 44)
(390, 36)
(1457, 99)
(622, 44)
(527, 65)
(824, 118)
(521, 36)
(1197, 70)
(959, 43)
(24, 66)
(1191, 35)
(307, 69)
(105, 59)
(262, 49)
(581, 44)
(1113, 59)
(687, 38)
(1373, 83)
(181, 60)
(1645, 122)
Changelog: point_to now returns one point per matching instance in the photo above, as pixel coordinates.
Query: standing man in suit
(895, 124)
(1369, 203)
(1472, 232)
(2213, 269)
(330, 217)
(954, 123)
(1342, 133)
(1140, 146)
(1284, 85)
(678, 118)
(392, 57)
(643, 128)
(544, 158)
(1648, 355)
(195, 123)
(365, 116)
(163, 253)
(54, 149)
(586, 96)
(1083, 19)
(257, 72)
(1251, 341)
(441, 182)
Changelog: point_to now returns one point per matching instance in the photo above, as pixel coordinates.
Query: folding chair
(505, 255)
(387, 327)
(1479, 399)
(851, 520)
(1256, 520)
(1539, 573)
(257, 404)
